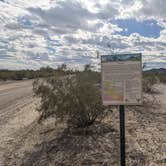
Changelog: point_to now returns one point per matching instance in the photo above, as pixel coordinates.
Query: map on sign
(121, 79)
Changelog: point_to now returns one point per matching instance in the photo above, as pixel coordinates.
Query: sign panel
(121, 79)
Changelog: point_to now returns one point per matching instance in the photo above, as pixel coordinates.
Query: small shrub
(75, 99)
(148, 83)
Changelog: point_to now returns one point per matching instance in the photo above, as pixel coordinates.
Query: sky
(36, 33)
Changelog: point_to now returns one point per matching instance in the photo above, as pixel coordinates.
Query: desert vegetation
(31, 74)
(156, 74)
(74, 98)
(150, 76)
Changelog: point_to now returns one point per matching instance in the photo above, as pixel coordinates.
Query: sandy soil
(17, 115)
(24, 142)
(146, 133)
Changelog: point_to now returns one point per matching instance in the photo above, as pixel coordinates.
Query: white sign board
(121, 79)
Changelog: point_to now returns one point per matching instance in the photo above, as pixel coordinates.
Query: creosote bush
(148, 83)
(75, 99)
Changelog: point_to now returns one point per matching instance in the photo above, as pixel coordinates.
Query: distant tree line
(151, 76)
(31, 74)
(156, 75)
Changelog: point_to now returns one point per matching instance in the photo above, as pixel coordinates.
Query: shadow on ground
(97, 145)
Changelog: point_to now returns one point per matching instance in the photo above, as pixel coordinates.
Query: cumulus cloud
(153, 8)
(50, 32)
(66, 15)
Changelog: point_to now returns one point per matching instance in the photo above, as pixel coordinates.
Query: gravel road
(16, 113)
(10, 92)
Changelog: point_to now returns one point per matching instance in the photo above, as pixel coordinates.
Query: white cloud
(49, 32)
(153, 9)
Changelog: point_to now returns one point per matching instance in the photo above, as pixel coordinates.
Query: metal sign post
(122, 135)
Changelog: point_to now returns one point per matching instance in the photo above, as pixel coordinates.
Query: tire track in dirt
(15, 130)
(17, 115)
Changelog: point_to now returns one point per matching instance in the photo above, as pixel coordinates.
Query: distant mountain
(160, 70)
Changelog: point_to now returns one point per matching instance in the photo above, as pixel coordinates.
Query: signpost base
(122, 135)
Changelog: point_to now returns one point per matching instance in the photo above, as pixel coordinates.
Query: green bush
(75, 99)
(152, 77)
(148, 82)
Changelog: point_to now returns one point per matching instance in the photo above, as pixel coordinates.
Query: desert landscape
(24, 142)
(82, 83)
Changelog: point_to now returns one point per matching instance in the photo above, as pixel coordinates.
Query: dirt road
(16, 113)
(12, 92)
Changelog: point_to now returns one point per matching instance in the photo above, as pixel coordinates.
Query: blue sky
(45, 32)
(147, 28)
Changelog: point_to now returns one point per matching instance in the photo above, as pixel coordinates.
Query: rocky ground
(25, 142)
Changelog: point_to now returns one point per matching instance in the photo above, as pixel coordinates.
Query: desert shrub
(30, 74)
(3, 76)
(162, 77)
(148, 83)
(75, 99)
